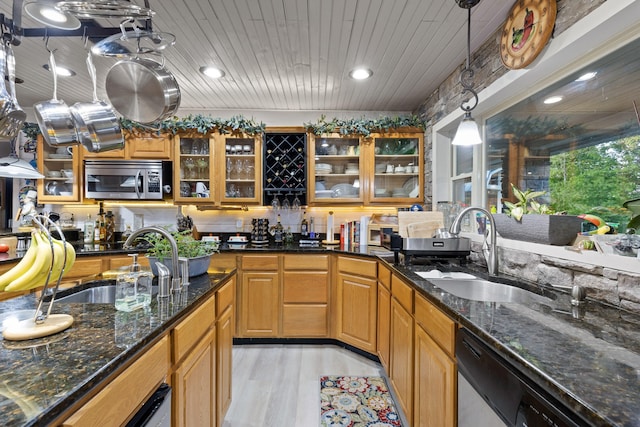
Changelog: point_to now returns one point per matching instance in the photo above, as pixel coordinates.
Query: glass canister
(133, 289)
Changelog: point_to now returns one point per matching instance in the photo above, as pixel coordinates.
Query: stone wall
(487, 68)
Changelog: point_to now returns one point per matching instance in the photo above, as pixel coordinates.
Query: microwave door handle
(138, 176)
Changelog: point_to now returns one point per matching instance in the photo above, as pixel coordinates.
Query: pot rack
(89, 28)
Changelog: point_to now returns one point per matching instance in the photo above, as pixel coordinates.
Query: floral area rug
(357, 402)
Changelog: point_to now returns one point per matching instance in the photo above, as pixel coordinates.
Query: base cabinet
(435, 390)
(114, 404)
(435, 372)
(194, 385)
(401, 357)
(356, 311)
(305, 296)
(225, 329)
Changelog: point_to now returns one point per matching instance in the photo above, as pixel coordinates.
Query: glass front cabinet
(217, 169)
(379, 169)
(62, 170)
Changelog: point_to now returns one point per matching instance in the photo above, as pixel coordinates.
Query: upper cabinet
(385, 168)
(336, 170)
(62, 172)
(138, 146)
(217, 169)
(397, 174)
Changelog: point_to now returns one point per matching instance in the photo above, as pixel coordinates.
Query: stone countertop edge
(199, 290)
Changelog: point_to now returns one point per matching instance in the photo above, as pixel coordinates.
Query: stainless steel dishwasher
(156, 411)
(491, 393)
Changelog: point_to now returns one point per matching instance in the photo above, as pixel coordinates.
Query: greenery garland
(205, 124)
(363, 126)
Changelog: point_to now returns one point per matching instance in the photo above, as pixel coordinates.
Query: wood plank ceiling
(291, 55)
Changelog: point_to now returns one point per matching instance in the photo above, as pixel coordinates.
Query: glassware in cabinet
(397, 169)
(337, 169)
(241, 170)
(194, 171)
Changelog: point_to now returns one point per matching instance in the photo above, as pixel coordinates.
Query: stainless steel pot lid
(105, 9)
(132, 43)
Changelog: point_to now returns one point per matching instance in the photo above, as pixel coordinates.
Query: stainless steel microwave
(127, 179)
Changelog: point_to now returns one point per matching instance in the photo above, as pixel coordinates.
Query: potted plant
(532, 221)
(198, 252)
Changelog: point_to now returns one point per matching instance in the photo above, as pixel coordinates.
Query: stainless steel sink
(96, 295)
(483, 290)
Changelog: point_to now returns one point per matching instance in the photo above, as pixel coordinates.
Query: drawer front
(306, 262)
(305, 320)
(440, 327)
(384, 276)
(306, 287)
(260, 262)
(191, 329)
(358, 267)
(402, 292)
(224, 296)
(85, 268)
(118, 400)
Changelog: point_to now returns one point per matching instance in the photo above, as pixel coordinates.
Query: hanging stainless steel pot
(96, 122)
(14, 117)
(5, 97)
(142, 90)
(54, 116)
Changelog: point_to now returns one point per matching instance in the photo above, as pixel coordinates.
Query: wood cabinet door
(401, 356)
(435, 384)
(224, 341)
(194, 386)
(357, 311)
(384, 325)
(260, 309)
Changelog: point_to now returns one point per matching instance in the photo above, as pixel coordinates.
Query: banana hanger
(55, 263)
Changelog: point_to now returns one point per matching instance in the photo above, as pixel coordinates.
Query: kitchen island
(588, 358)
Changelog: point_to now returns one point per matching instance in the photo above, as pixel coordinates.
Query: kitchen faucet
(489, 250)
(175, 269)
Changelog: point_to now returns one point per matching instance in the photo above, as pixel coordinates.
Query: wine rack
(285, 168)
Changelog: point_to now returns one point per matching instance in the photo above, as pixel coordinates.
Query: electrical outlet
(239, 224)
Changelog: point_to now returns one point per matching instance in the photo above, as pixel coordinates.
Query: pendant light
(468, 132)
(12, 166)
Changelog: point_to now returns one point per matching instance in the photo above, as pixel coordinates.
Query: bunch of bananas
(33, 269)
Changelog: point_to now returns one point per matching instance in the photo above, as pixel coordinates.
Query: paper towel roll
(330, 227)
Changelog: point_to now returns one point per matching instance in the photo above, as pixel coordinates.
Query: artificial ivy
(363, 126)
(205, 124)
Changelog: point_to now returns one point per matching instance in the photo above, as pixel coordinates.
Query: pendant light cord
(466, 77)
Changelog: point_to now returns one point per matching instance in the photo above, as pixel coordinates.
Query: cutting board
(408, 217)
(423, 229)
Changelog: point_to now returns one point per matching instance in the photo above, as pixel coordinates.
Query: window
(583, 149)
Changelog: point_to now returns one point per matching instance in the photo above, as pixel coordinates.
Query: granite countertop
(42, 377)
(587, 357)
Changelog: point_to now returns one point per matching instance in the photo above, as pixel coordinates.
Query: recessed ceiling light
(48, 15)
(360, 73)
(212, 72)
(587, 76)
(553, 100)
(61, 71)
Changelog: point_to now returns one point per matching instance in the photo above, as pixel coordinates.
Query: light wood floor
(278, 385)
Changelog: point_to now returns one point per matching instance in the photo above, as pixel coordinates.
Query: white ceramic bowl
(54, 174)
(68, 173)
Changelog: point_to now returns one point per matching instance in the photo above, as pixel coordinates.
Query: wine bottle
(304, 226)
(278, 231)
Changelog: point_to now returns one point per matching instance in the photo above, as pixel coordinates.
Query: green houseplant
(198, 252)
(531, 221)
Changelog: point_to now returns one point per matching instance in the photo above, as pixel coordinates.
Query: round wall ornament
(526, 31)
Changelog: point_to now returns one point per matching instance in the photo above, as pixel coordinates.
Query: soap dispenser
(133, 289)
